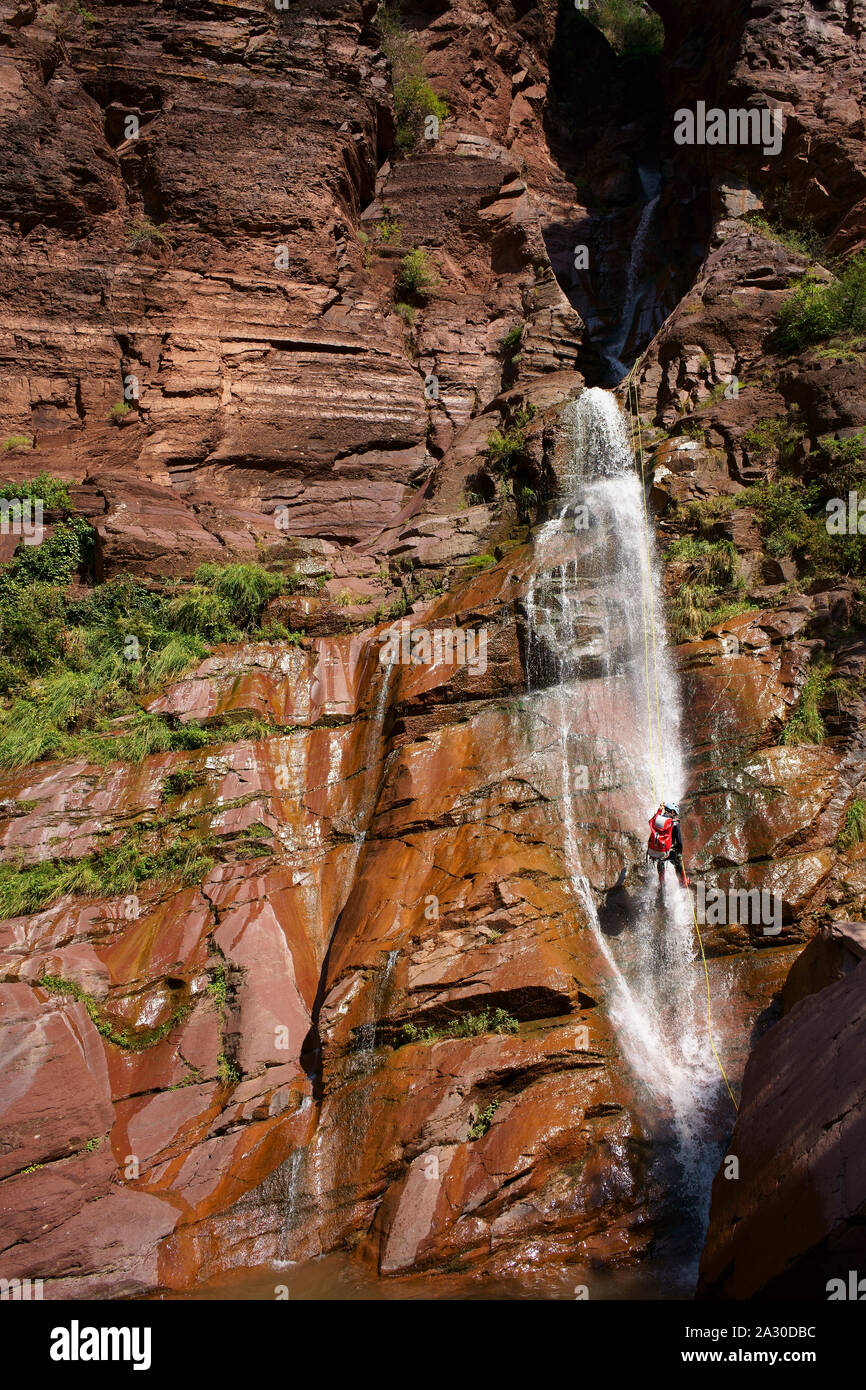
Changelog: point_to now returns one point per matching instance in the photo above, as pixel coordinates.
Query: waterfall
(597, 647)
(650, 184)
(365, 1033)
(288, 1183)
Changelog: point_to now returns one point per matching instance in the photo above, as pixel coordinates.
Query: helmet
(672, 807)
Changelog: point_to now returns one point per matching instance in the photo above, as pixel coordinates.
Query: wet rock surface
(269, 1063)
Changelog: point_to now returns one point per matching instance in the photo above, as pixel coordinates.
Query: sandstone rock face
(770, 816)
(829, 956)
(792, 1221)
(273, 390)
(804, 61)
(207, 1010)
(773, 815)
(261, 1064)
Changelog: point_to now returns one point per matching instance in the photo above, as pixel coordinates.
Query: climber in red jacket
(666, 841)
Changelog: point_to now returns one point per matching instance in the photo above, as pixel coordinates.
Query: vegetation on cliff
(148, 854)
(170, 849)
(469, 1026)
(709, 588)
(631, 27)
(822, 309)
(414, 98)
(72, 664)
(792, 510)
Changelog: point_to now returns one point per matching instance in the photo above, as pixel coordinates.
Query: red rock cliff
(249, 1060)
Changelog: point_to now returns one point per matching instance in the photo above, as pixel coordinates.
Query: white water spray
(597, 641)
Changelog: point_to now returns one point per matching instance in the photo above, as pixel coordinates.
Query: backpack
(661, 835)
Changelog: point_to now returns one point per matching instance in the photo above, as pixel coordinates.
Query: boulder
(787, 1220)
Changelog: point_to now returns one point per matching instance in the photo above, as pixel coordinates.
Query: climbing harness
(646, 583)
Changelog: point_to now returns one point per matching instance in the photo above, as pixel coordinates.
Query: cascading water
(596, 642)
(650, 184)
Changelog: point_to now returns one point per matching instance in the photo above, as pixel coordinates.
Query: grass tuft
(469, 1026)
(854, 830)
(184, 857)
(806, 725)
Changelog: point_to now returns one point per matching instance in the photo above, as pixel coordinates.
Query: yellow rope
(649, 572)
(709, 1004)
(630, 388)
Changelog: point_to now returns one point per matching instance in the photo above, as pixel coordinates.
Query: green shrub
(389, 231)
(32, 628)
(806, 725)
(53, 492)
(803, 237)
(416, 274)
(179, 783)
(200, 611)
(483, 1120)
(785, 524)
(526, 498)
(244, 589)
(479, 562)
(686, 548)
(142, 232)
(704, 512)
(224, 601)
(17, 441)
(218, 986)
(414, 98)
(505, 448)
(696, 607)
(488, 1021)
(54, 561)
(629, 26)
(709, 590)
(851, 348)
(511, 340)
(70, 667)
(817, 310)
(180, 652)
(108, 873)
(469, 1026)
(689, 612)
(228, 1070)
(840, 465)
(712, 562)
(774, 439)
